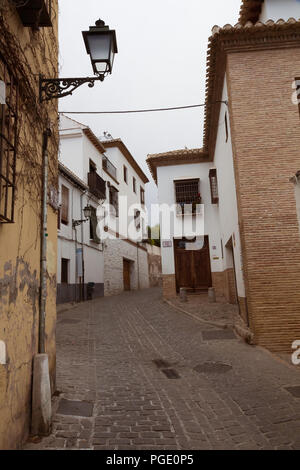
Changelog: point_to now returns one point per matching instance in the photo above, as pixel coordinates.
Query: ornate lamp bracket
(51, 88)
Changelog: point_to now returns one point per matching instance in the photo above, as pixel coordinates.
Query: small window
(64, 205)
(142, 196)
(214, 186)
(125, 174)
(93, 167)
(297, 86)
(134, 184)
(65, 271)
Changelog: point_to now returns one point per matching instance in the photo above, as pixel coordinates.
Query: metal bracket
(51, 88)
(75, 223)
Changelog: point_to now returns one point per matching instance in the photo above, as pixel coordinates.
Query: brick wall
(266, 136)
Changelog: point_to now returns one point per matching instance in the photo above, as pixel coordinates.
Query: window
(114, 200)
(34, 13)
(142, 196)
(297, 86)
(93, 167)
(108, 167)
(226, 127)
(64, 271)
(8, 143)
(93, 226)
(125, 174)
(187, 193)
(64, 205)
(214, 186)
(134, 184)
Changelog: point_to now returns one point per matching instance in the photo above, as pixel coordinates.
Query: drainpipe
(44, 235)
(82, 258)
(138, 265)
(41, 389)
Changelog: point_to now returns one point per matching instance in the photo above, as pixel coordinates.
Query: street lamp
(101, 45)
(87, 211)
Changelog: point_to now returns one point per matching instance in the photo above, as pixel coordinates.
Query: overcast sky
(161, 63)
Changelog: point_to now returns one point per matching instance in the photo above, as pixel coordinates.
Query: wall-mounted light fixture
(87, 211)
(101, 45)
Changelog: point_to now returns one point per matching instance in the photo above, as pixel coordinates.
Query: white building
(97, 251)
(125, 261)
(207, 253)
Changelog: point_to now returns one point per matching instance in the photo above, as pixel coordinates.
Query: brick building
(251, 142)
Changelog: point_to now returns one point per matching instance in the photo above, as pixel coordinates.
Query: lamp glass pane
(101, 66)
(99, 46)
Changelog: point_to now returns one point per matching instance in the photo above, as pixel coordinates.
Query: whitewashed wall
(228, 212)
(166, 195)
(280, 9)
(93, 256)
(126, 189)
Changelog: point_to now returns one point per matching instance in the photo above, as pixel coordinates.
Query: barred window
(8, 143)
(187, 193)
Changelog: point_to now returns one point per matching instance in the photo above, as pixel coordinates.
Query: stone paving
(117, 354)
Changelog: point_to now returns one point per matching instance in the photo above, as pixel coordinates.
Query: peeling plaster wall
(20, 249)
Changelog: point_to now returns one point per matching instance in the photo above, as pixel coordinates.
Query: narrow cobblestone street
(157, 379)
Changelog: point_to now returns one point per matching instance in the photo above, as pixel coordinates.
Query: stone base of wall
(224, 284)
(230, 286)
(169, 286)
(219, 282)
(243, 309)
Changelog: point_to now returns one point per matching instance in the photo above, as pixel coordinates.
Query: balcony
(109, 167)
(187, 208)
(34, 13)
(97, 185)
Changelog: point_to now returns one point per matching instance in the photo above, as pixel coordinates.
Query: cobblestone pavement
(220, 313)
(106, 353)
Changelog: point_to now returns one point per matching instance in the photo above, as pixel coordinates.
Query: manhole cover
(295, 391)
(161, 364)
(171, 373)
(75, 408)
(208, 335)
(212, 368)
(69, 322)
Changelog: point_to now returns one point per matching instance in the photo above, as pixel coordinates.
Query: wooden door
(126, 274)
(192, 267)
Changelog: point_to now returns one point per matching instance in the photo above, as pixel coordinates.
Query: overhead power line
(139, 110)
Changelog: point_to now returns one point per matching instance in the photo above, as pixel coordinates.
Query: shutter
(64, 205)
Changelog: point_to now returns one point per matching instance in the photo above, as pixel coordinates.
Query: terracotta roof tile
(175, 157)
